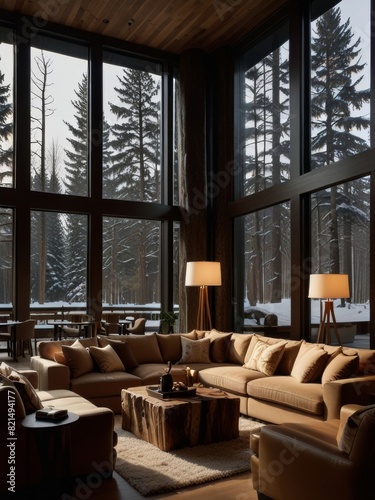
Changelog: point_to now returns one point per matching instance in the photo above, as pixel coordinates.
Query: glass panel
(340, 81)
(340, 235)
(58, 259)
(131, 262)
(6, 256)
(176, 270)
(59, 117)
(267, 267)
(6, 108)
(264, 126)
(132, 130)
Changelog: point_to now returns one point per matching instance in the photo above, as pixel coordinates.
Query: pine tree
(6, 131)
(76, 164)
(335, 64)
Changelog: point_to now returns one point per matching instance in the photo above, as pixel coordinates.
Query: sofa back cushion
(310, 363)
(366, 361)
(145, 348)
(340, 366)
(219, 345)
(170, 345)
(238, 346)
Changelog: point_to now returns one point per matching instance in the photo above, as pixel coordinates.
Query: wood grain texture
(171, 25)
(208, 418)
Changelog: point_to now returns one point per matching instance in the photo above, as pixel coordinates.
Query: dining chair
(25, 332)
(139, 327)
(110, 323)
(5, 335)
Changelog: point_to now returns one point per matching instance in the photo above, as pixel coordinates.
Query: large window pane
(58, 259)
(264, 118)
(340, 235)
(6, 108)
(340, 82)
(59, 117)
(132, 130)
(131, 262)
(266, 265)
(6, 256)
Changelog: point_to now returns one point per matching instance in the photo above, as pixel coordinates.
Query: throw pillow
(265, 357)
(28, 394)
(339, 367)
(5, 369)
(239, 343)
(78, 359)
(107, 359)
(310, 363)
(219, 345)
(123, 351)
(60, 358)
(195, 351)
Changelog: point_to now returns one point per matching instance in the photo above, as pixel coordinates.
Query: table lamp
(328, 286)
(203, 274)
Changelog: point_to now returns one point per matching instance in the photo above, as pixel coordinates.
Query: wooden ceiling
(171, 25)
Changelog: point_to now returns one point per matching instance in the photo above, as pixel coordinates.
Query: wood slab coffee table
(210, 416)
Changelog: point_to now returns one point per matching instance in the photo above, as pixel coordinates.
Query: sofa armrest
(52, 375)
(295, 465)
(356, 390)
(32, 376)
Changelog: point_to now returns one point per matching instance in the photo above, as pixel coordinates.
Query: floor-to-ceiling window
(89, 188)
(324, 169)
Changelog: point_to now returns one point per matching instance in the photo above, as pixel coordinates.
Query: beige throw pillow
(265, 357)
(340, 366)
(195, 351)
(78, 359)
(29, 396)
(310, 363)
(107, 359)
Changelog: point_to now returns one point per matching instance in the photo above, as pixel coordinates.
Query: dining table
(13, 331)
(58, 325)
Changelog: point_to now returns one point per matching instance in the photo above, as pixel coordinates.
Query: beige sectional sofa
(276, 380)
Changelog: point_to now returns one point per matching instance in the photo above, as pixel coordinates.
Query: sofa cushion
(310, 363)
(340, 366)
(123, 351)
(170, 345)
(195, 351)
(28, 394)
(287, 391)
(145, 348)
(103, 385)
(78, 359)
(265, 357)
(239, 344)
(219, 345)
(107, 359)
(47, 349)
(229, 378)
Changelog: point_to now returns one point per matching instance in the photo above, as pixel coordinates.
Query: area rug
(152, 471)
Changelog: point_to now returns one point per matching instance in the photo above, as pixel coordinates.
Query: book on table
(51, 414)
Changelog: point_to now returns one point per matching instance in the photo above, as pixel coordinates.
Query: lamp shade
(203, 273)
(329, 286)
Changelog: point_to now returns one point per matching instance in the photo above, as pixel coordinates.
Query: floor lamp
(328, 286)
(203, 274)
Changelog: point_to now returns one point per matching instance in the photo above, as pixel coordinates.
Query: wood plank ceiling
(171, 25)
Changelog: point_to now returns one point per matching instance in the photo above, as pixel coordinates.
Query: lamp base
(204, 315)
(324, 332)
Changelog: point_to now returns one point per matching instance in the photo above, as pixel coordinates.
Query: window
(6, 108)
(131, 262)
(58, 259)
(132, 129)
(6, 256)
(340, 83)
(264, 140)
(340, 232)
(266, 266)
(59, 117)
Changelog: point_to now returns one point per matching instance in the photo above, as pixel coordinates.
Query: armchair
(326, 460)
(138, 328)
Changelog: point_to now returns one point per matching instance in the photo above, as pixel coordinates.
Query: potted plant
(168, 321)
